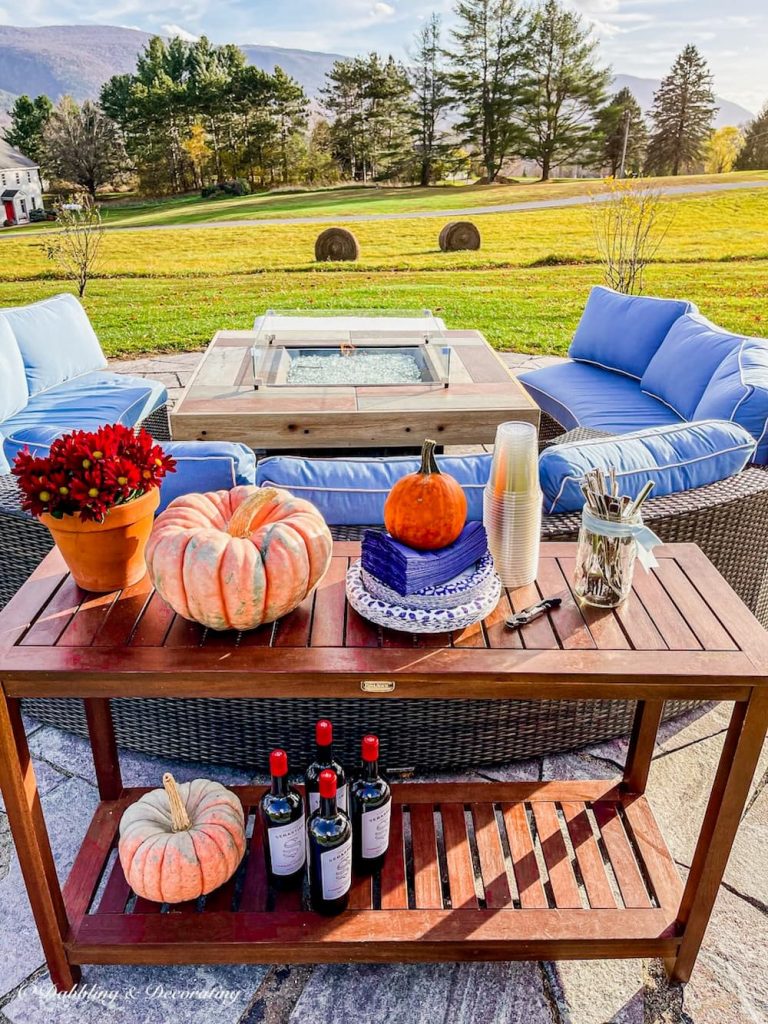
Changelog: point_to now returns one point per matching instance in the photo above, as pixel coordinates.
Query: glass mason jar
(605, 559)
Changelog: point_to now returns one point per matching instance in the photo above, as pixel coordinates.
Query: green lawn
(164, 290)
(350, 200)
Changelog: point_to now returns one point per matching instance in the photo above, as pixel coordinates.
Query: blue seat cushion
(686, 361)
(14, 392)
(85, 403)
(56, 341)
(352, 492)
(580, 395)
(738, 391)
(675, 458)
(622, 332)
(200, 465)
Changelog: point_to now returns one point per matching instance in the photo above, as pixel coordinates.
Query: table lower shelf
(486, 871)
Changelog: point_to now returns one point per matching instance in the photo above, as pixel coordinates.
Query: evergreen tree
(565, 88)
(28, 120)
(754, 153)
(487, 63)
(622, 118)
(431, 97)
(683, 111)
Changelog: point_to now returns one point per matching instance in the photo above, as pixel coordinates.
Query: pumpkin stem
(179, 817)
(428, 460)
(240, 523)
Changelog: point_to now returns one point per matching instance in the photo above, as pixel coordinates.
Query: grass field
(369, 200)
(163, 290)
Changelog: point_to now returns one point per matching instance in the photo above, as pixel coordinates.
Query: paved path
(471, 211)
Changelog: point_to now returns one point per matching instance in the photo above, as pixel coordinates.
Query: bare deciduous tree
(82, 145)
(629, 226)
(76, 246)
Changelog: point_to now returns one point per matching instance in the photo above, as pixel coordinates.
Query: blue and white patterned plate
(462, 588)
(420, 620)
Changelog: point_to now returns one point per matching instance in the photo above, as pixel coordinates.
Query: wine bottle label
(336, 871)
(287, 847)
(375, 830)
(341, 800)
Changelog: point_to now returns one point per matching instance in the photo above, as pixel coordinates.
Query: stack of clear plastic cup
(512, 504)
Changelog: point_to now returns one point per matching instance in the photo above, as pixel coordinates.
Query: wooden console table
(561, 869)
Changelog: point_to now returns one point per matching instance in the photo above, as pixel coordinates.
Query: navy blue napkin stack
(408, 571)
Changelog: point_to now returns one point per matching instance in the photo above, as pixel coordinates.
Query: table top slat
(569, 624)
(702, 620)
(602, 623)
(538, 635)
(55, 616)
(666, 616)
(126, 612)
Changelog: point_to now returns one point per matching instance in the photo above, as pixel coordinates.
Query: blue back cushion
(14, 393)
(684, 365)
(675, 458)
(56, 341)
(352, 492)
(738, 391)
(622, 332)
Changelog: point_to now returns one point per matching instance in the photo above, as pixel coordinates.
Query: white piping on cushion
(660, 469)
(611, 369)
(348, 490)
(527, 385)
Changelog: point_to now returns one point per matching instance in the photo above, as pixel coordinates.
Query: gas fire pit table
(320, 383)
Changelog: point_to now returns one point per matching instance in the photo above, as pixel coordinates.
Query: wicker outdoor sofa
(727, 520)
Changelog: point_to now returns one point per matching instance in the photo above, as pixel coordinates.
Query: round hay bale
(336, 244)
(458, 235)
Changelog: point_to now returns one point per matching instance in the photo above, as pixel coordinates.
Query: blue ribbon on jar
(635, 529)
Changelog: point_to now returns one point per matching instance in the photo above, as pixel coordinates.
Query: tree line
(506, 82)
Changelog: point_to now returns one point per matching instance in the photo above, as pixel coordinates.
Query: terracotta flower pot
(110, 555)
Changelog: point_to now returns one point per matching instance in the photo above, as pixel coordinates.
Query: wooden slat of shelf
(84, 876)
(255, 885)
(658, 861)
(259, 637)
(330, 604)
(708, 629)
(360, 632)
(124, 615)
(54, 618)
(144, 907)
(288, 899)
(588, 855)
(411, 936)
(524, 863)
(394, 891)
(461, 875)
(539, 634)
(27, 603)
(561, 876)
(508, 792)
(183, 633)
(116, 892)
(567, 620)
(152, 628)
(666, 617)
(498, 634)
(361, 893)
(601, 622)
(620, 854)
(293, 629)
(472, 636)
(82, 629)
(491, 854)
(426, 870)
(221, 898)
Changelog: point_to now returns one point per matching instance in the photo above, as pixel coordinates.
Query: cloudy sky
(639, 37)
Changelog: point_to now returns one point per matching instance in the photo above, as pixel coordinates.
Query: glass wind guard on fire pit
(350, 350)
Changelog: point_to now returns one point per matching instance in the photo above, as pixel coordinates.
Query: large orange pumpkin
(428, 509)
(235, 559)
(181, 842)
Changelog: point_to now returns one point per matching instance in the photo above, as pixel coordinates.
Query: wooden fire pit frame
(433, 910)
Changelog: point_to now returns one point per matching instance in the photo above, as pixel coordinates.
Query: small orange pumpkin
(181, 842)
(427, 509)
(235, 559)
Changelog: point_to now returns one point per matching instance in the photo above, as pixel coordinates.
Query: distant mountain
(78, 59)
(644, 88)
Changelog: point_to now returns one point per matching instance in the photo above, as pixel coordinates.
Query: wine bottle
(323, 760)
(283, 824)
(329, 836)
(371, 801)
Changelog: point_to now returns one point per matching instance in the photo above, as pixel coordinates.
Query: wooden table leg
(25, 815)
(736, 768)
(641, 744)
(101, 731)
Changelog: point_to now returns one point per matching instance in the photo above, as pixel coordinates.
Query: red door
(9, 212)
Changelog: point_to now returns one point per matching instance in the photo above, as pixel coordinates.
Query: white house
(20, 187)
